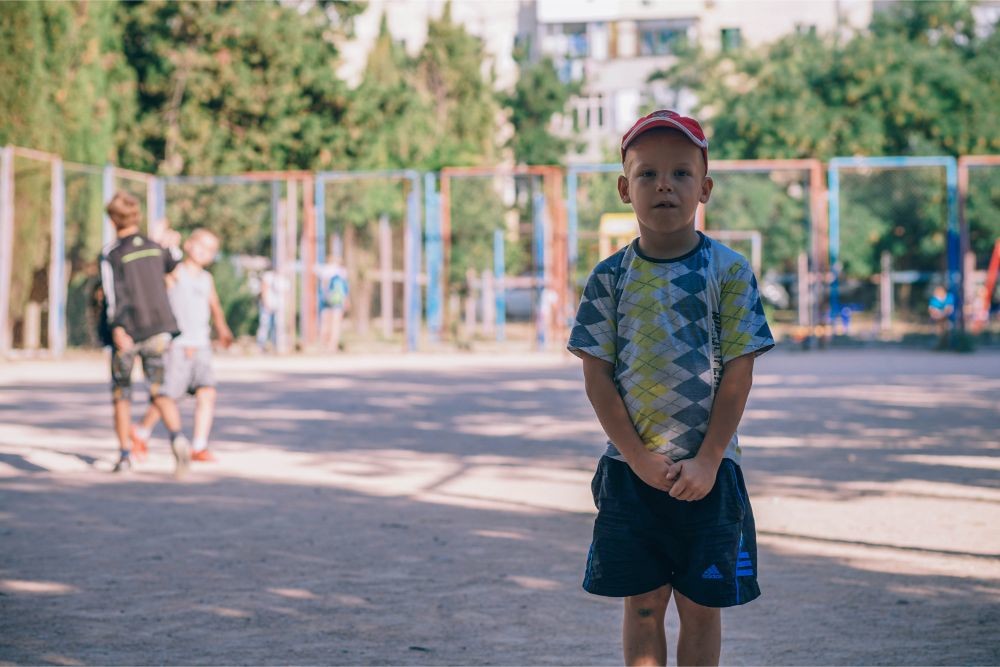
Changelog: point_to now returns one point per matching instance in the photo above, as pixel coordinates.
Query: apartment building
(613, 46)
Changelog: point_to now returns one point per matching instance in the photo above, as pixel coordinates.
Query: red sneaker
(204, 456)
(139, 445)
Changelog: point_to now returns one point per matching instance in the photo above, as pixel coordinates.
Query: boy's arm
(115, 304)
(218, 317)
(694, 478)
(599, 380)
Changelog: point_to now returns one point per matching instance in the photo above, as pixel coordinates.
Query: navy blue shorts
(644, 539)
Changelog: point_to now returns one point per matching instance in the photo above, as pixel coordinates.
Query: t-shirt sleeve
(171, 258)
(595, 329)
(744, 326)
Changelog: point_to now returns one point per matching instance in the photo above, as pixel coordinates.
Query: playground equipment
(615, 230)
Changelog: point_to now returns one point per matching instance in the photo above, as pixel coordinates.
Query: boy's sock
(124, 463)
(199, 444)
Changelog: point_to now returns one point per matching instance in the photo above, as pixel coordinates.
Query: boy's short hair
(204, 237)
(671, 120)
(124, 210)
(200, 233)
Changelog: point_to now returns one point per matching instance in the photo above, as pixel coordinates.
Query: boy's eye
(683, 172)
(647, 173)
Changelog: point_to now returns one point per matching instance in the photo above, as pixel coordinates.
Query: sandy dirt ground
(435, 510)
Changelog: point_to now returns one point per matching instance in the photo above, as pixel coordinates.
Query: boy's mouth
(664, 204)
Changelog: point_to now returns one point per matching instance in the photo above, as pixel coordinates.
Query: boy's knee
(205, 395)
(692, 612)
(651, 605)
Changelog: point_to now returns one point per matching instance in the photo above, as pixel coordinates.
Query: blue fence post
(319, 205)
(433, 257)
(57, 262)
(412, 285)
(573, 222)
(833, 187)
(956, 270)
(538, 229)
(160, 199)
(499, 271)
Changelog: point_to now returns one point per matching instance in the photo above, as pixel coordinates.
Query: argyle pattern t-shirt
(669, 327)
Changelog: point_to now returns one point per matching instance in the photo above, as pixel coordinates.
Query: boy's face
(664, 181)
(202, 248)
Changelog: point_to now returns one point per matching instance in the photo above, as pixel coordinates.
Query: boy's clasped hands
(688, 479)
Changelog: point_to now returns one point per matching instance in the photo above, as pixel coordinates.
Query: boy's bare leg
(700, 640)
(324, 327)
(204, 412)
(151, 417)
(168, 411)
(123, 422)
(140, 435)
(644, 639)
(336, 324)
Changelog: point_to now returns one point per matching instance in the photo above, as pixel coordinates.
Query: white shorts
(188, 370)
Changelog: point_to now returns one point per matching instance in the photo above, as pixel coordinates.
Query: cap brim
(651, 123)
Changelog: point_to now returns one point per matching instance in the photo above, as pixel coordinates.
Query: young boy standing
(194, 302)
(668, 329)
(138, 321)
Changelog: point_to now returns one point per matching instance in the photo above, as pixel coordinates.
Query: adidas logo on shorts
(711, 573)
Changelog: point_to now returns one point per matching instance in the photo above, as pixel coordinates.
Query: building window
(659, 38)
(589, 113)
(805, 29)
(731, 39)
(576, 40)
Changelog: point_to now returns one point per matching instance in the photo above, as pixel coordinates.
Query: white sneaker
(182, 455)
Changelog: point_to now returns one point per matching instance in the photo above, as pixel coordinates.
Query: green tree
(450, 74)
(464, 115)
(64, 88)
(233, 86)
(538, 95)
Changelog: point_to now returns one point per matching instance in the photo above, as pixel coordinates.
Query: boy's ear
(623, 190)
(706, 189)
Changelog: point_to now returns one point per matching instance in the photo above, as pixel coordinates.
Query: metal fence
(821, 245)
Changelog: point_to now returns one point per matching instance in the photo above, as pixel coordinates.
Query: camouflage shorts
(152, 351)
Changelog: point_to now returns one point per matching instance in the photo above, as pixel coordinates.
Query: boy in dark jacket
(139, 322)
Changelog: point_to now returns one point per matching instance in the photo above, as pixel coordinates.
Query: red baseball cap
(673, 120)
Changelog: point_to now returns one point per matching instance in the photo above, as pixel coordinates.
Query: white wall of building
(496, 23)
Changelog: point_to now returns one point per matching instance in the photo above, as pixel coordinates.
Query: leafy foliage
(538, 95)
(232, 86)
